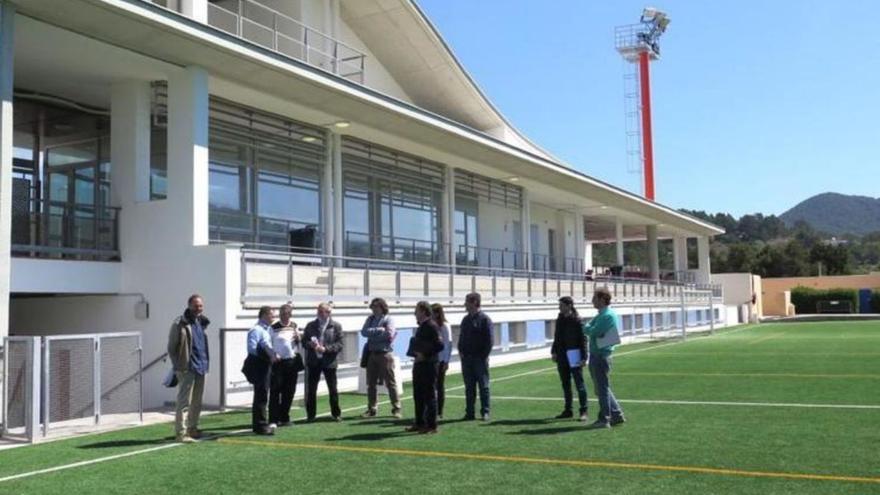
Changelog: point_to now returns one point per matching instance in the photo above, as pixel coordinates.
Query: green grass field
(784, 408)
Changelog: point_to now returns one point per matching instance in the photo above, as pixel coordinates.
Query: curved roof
(411, 48)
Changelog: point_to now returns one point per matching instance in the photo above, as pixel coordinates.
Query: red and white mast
(638, 44)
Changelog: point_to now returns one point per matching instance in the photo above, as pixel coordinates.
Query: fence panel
(120, 378)
(20, 373)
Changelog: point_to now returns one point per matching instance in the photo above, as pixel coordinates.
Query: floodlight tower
(639, 45)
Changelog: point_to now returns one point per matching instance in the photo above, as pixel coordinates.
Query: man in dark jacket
(474, 346)
(322, 342)
(569, 351)
(424, 347)
(188, 350)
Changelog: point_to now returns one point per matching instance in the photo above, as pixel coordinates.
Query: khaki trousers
(380, 365)
(190, 388)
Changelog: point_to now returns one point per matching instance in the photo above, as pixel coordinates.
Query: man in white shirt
(285, 372)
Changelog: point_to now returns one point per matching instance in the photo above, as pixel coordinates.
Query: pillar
(7, 40)
(653, 252)
(680, 257)
(447, 222)
(338, 198)
(526, 220)
(327, 214)
(618, 235)
(704, 271)
(188, 152)
(130, 143)
(195, 9)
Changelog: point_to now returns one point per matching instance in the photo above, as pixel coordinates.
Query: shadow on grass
(550, 431)
(520, 422)
(126, 443)
(368, 437)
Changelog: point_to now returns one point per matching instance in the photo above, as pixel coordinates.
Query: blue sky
(757, 104)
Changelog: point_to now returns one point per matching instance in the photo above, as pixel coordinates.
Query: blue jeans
(566, 374)
(600, 367)
(475, 370)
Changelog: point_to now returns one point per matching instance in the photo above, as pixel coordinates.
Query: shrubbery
(805, 299)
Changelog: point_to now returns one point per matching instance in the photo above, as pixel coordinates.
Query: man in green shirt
(607, 320)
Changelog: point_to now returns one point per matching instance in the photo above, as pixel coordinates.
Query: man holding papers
(569, 351)
(603, 333)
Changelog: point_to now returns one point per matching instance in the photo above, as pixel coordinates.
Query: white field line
(696, 403)
(172, 445)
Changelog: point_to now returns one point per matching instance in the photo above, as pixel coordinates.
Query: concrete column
(526, 220)
(188, 152)
(704, 271)
(618, 235)
(680, 257)
(653, 252)
(7, 40)
(196, 9)
(588, 256)
(130, 143)
(338, 197)
(328, 218)
(579, 241)
(448, 217)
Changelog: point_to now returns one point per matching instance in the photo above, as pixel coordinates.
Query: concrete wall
(774, 302)
(739, 288)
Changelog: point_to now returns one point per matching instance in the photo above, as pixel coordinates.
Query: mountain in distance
(837, 214)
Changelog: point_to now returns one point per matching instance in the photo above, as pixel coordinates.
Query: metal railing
(260, 231)
(54, 229)
(269, 277)
(384, 247)
(281, 33)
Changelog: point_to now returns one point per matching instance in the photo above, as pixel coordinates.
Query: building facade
(265, 151)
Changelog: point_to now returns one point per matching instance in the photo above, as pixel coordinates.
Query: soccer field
(775, 408)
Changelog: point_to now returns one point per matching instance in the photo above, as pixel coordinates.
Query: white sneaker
(273, 426)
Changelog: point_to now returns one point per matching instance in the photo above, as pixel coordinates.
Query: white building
(151, 150)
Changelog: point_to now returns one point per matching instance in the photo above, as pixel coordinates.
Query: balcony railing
(61, 230)
(281, 33)
(270, 277)
(263, 232)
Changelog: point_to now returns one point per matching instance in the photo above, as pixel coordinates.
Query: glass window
(158, 162)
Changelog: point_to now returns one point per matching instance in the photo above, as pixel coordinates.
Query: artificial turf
(814, 364)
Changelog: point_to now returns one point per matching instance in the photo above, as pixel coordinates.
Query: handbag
(170, 380)
(365, 355)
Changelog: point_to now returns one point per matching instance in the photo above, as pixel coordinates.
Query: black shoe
(284, 424)
(599, 424)
(310, 420)
(565, 414)
(369, 413)
(617, 420)
(264, 431)
(468, 417)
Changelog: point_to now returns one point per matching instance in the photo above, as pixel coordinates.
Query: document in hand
(610, 338)
(574, 358)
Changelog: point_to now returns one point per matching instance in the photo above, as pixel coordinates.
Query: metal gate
(71, 383)
(21, 387)
(91, 380)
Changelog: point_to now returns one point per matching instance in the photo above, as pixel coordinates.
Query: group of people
(278, 350)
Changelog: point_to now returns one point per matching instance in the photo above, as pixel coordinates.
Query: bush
(805, 299)
(875, 301)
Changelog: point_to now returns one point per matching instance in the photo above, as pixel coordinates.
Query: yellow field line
(760, 375)
(557, 462)
(766, 338)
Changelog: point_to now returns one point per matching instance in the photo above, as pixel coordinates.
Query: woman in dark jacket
(424, 348)
(569, 351)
